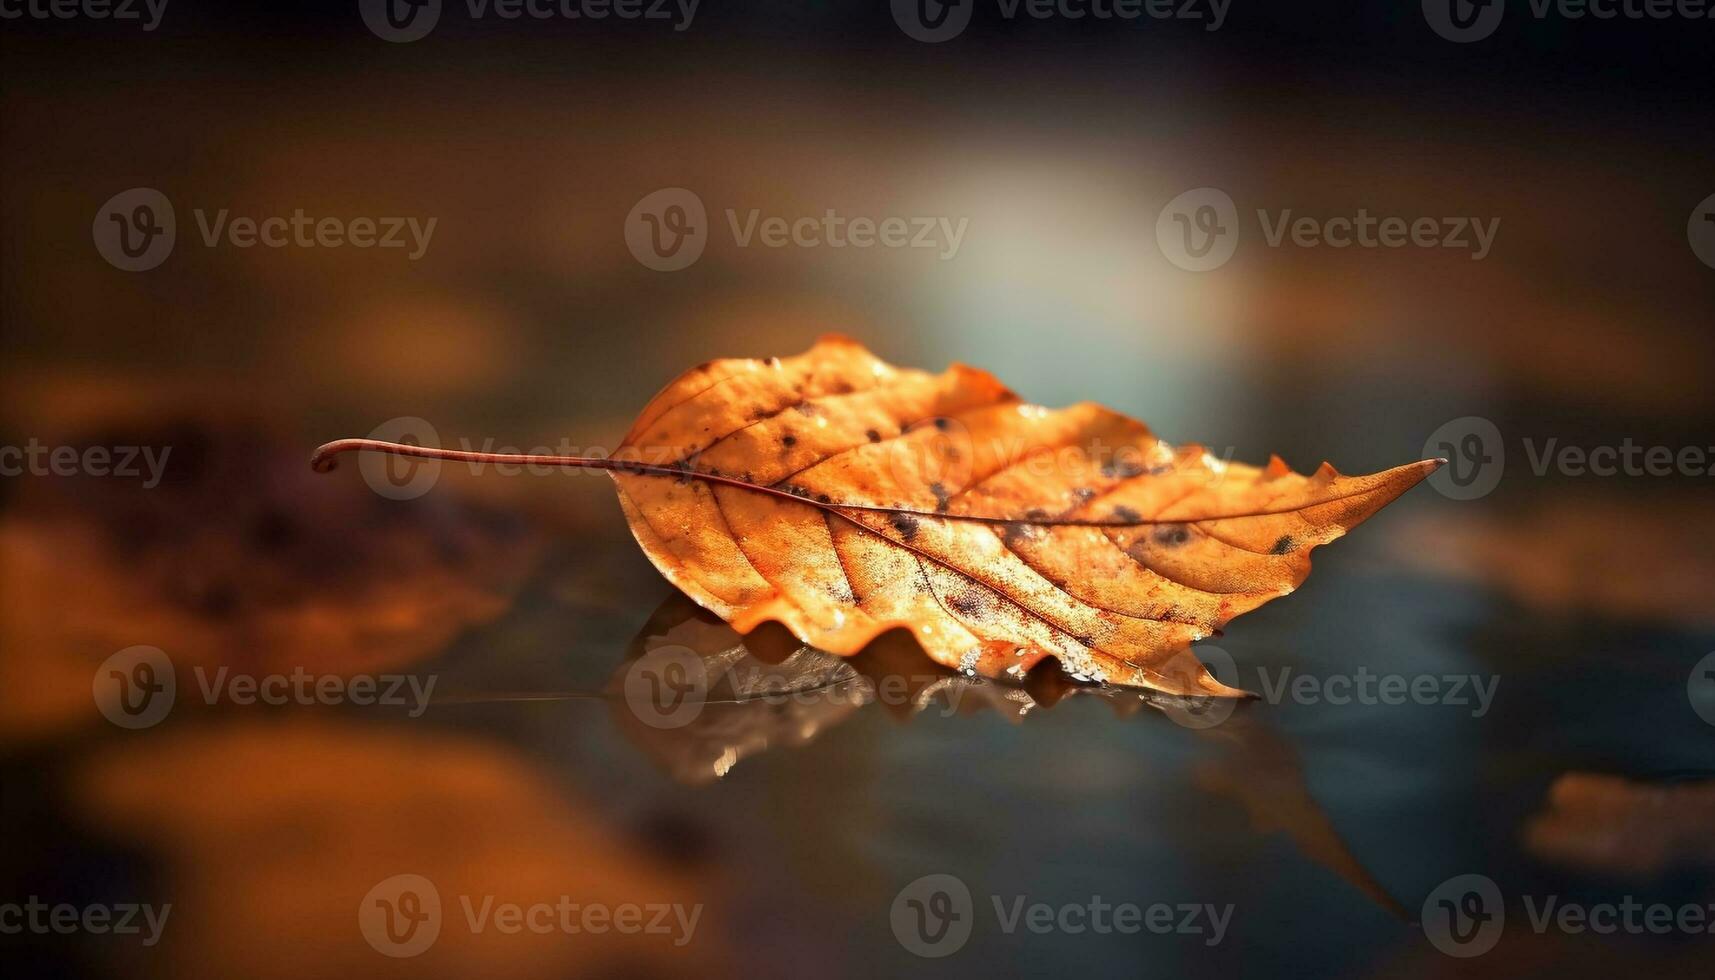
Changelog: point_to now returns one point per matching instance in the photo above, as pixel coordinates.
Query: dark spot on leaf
(906, 525)
(1126, 514)
(1083, 494)
(789, 440)
(965, 603)
(1283, 546)
(1172, 535)
(873, 435)
(941, 496)
(1122, 468)
(824, 498)
(943, 424)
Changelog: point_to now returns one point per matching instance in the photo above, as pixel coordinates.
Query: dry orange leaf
(844, 497)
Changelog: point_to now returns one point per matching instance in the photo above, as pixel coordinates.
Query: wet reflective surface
(602, 742)
(472, 732)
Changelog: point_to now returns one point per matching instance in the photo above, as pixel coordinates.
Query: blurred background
(1101, 196)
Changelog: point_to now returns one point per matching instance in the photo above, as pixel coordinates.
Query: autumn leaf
(844, 497)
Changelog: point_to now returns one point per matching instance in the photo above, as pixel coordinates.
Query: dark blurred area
(525, 316)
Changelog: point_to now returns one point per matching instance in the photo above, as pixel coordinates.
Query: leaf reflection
(765, 690)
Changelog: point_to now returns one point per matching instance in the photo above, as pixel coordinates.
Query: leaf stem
(326, 458)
